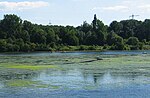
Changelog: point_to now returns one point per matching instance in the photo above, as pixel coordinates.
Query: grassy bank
(97, 48)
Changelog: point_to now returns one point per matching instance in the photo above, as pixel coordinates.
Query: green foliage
(83, 47)
(38, 36)
(3, 45)
(133, 41)
(17, 35)
(50, 37)
(31, 67)
(12, 25)
(146, 47)
(85, 27)
(94, 23)
(41, 47)
(3, 34)
(63, 48)
(115, 27)
(72, 38)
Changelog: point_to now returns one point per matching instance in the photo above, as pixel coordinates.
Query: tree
(85, 27)
(81, 36)
(18, 35)
(129, 28)
(110, 38)
(113, 38)
(94, 23)
(115, 41)
(83, 32)
(12, 25)
(71, 38)
(3, 45)
(26, 47)
(50, 37)
(28, 26)
(25, 36)
(3, 34)
(143, 31)
(116, 27)
(133, 41)
(101, 33)
(38, 36)
(97, 35)
(91, 38)
(119, 45)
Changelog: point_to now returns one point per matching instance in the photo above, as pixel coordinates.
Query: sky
(74, 12)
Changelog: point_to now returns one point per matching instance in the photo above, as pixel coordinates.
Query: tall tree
(94, 22)
(12, 25)
(116, 27)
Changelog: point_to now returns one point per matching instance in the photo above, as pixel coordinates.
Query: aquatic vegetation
(25, 83)
(20, 83)
(32, 67)
(62, 72)
(29, 84)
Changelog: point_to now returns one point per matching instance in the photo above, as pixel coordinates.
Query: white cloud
(138, 6)
(115, 8)
(112, 8)
(145, 7)
(8, 6)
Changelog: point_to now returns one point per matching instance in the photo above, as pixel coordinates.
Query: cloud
(145, 7)
(77, 0)
(112, 8)
(9, 6)
(115, 8)
(138, 6)
(126, 6)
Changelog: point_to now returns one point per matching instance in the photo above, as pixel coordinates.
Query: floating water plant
(25, 83)
(33, 67)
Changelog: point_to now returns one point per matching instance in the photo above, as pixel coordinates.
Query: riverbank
(97, 48)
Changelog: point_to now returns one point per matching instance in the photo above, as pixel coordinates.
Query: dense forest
(17, 35)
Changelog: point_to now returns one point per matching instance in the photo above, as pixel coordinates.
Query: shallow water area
(110, 74)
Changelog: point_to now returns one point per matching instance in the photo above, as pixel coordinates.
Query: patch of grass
(29, 84)
(42, 86)
(21, 83)
(32, 67)
(89, 87)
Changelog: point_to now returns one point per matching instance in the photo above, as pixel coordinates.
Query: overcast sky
(74, 12)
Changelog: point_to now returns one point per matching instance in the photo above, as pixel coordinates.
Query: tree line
(17, 35)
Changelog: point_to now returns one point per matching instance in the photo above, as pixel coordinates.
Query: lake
(110, 74)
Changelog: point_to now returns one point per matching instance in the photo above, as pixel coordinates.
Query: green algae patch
(25, 83)
(33, 67)
(29, 84)
(20, 83)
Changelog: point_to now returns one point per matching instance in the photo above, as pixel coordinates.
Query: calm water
(79, 75)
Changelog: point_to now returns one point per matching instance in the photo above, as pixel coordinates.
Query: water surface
(123, 74)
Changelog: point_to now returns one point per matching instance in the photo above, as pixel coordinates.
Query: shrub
(133, 41)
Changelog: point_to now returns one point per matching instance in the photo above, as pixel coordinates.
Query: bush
(26, 48)
(92, 48)
(63, 48)
(146, 47)
(134, 47)
(83, 47)
(3, 45)
(133, 41)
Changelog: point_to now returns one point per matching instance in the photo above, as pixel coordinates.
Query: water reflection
(133, 52)
(11, 76)
(1, 85)
(80, 79)
(73, 80)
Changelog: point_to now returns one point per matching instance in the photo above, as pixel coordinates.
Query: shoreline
(77, 51)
